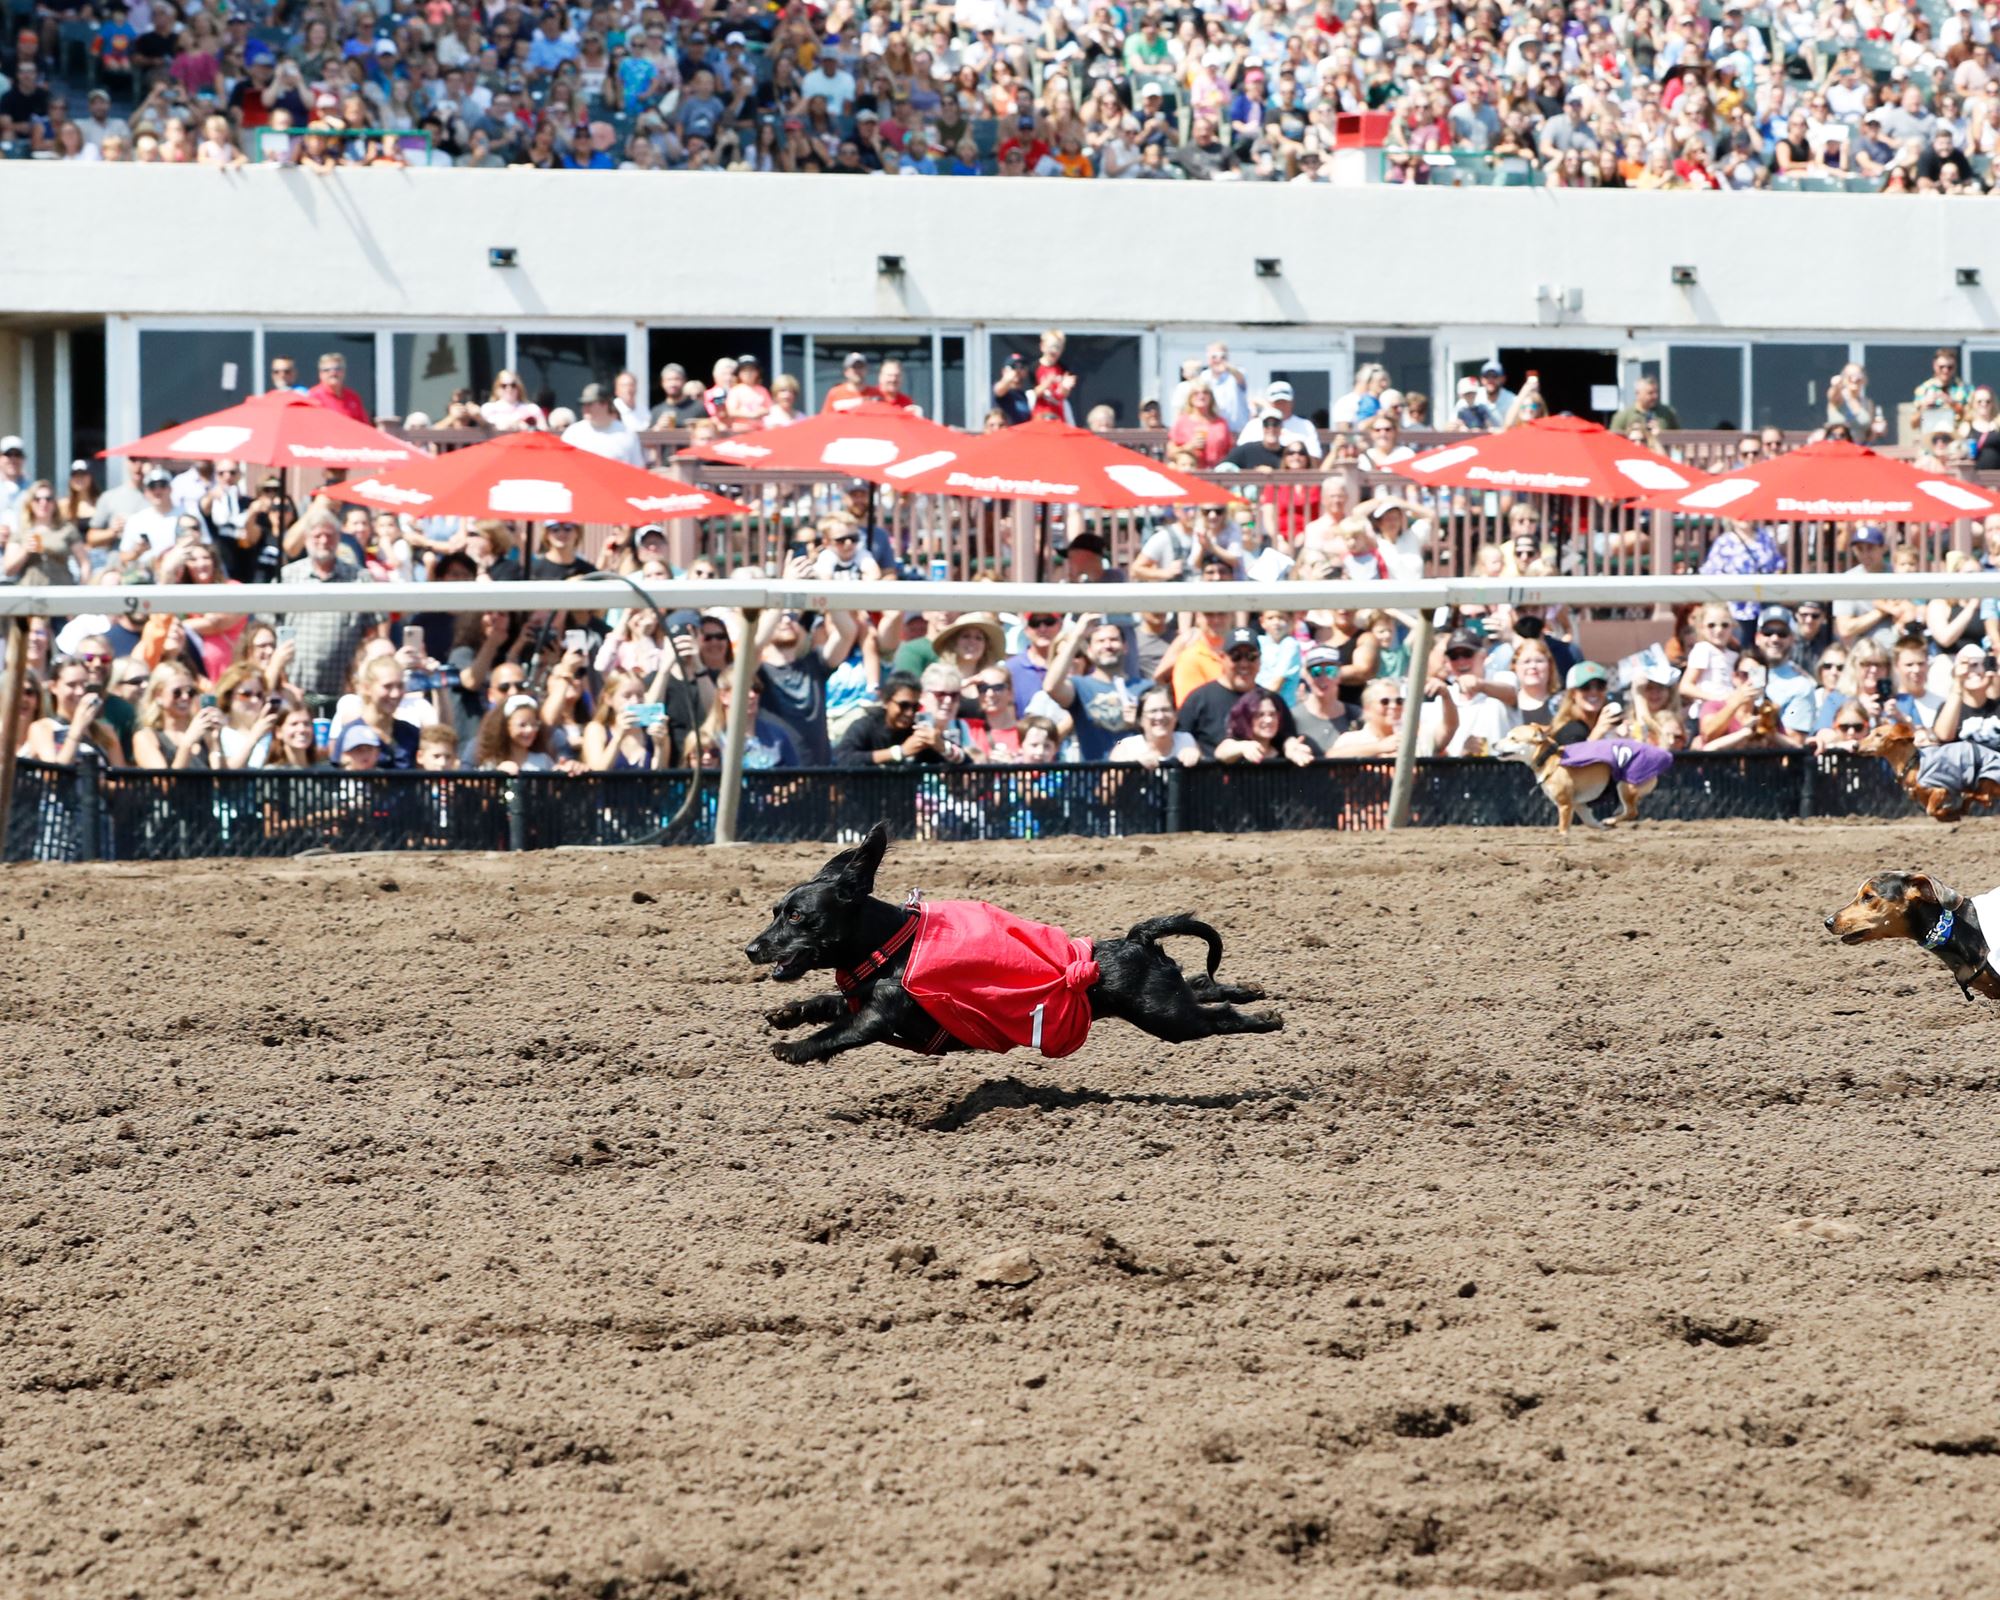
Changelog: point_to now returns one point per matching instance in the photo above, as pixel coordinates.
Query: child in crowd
(1711, 661)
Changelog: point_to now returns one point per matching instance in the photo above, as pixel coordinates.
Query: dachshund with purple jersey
(1574, 775)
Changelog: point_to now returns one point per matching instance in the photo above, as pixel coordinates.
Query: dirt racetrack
(441, 1227)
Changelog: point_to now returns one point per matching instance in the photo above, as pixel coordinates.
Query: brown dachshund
(1914, 905)
(1896, 743)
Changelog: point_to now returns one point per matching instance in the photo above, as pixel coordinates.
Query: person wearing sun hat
(971, 643)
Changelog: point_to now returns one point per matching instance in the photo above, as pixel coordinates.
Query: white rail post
(729, 801)
(1401, 789)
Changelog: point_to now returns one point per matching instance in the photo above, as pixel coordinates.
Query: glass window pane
(697, 350)
(831, 349)
(555, 366)
(1895, 370)
(1705, 384)
(1106, 367)
(182, 373)
(305, 347)
(1407, 356)
(432, 367)
(1788, 383)
(951, 382)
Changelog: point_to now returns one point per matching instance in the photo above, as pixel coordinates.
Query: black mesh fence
(90, 813)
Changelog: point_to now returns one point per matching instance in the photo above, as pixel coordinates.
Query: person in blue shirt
(550, 47)
(701, 110)
(1103, 701)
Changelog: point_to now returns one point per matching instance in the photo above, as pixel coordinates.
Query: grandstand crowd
(1900, 95)
(612, 686)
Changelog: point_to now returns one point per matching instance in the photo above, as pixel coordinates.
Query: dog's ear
(1930, 889)
(853, 871)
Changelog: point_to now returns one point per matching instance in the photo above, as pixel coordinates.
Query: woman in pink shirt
(1199, 429)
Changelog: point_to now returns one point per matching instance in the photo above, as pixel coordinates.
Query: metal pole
(1413, 706)
(10, 722)
(730, 799)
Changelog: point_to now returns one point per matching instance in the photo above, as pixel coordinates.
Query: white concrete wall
(413, 244)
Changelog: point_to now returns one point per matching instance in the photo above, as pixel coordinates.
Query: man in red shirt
(890, 391)
(332, 392)
(853, 387)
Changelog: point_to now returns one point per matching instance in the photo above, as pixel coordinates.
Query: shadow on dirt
(942, 1111)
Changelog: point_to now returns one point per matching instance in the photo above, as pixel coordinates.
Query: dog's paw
(1611, 822)
(788, 1015)
(792, 1052)
(1267, 1021)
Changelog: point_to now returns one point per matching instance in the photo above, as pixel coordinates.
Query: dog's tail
(1150, 933)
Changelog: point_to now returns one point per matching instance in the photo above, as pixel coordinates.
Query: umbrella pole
(1402, 788)
(10, 723)
(736, 735)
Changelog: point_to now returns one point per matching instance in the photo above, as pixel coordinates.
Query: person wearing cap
(1204, 711)
(1014, 390)
(1771, 646)
(853, 386)
(1493, 380)
(599, 431)
(13, 474)
(357, 748)
(1483, 718)
(1320, 711)
(1278, 398)
(155, 527)
(1263, 447)
(1586, 710)
(1475, 413)
(1569, 129)
(748, 402)
(1856, 621)
(98, 124)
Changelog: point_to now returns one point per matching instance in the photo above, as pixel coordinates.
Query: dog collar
(1941, 933)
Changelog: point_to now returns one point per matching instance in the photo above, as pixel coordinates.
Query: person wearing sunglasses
(1382, 712)
(842, 557)
(1322, 716)
(1041, 632)
(897, 732)
(508, 408)
(173, 730)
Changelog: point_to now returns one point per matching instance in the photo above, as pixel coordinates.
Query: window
(1895, 370)
(1407, 356)
(554, 367)
(697, 350)
(1705, 384)
(1106, 367)
(185, 373)
(1788, 383)
(829, 350)
(431, 367)
(305, 347)
(951, 382)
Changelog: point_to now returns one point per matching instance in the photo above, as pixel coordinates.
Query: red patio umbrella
(534, 477)
(865, 441)
(1832, 481)
(1057, 464)
(279, 429)
(1553, 455)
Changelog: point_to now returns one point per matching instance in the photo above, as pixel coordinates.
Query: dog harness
(989, 979)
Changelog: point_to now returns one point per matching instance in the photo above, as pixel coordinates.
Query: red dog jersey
(995, 981)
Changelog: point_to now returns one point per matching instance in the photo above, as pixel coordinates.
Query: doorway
(1573, 381)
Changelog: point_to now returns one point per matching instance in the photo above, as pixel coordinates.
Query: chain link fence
(91, 813)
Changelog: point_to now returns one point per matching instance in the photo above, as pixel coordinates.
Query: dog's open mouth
(787, 968)
(1855, 937)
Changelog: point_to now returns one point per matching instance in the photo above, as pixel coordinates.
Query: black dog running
(834, 920)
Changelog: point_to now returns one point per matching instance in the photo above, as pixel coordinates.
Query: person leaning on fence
(891, 733)
(1204, 711)
(1255, 733)
(511, 739)
(250, 714)
(72, 721)
(1157, 740)
(1382, 713)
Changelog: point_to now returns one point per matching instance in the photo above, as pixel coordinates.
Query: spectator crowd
(608, 685)
(1896, 96)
